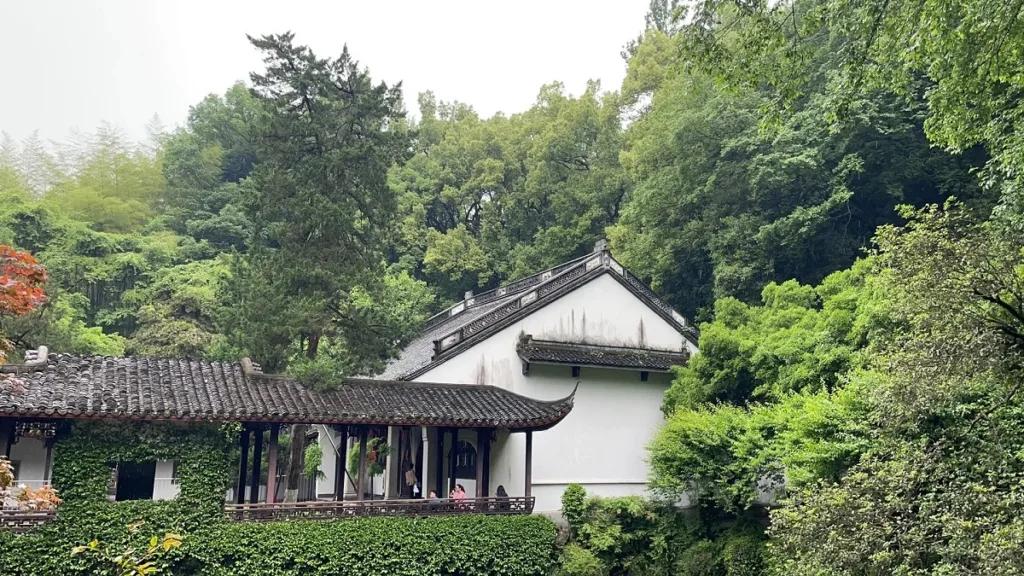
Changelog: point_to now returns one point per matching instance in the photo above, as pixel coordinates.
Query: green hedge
(463, 545)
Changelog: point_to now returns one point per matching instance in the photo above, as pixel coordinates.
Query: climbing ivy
(83, 459)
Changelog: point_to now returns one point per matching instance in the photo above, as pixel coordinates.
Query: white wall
(602, 442)
(31, 452)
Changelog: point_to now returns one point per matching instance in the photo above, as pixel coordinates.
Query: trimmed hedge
(463, 545)
(213, 546)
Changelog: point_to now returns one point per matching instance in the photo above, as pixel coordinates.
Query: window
(135, 480)
(465, 460)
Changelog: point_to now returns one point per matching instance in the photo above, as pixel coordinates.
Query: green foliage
(488, 200)
(312, 461)
(377, 450)
(574, 503)
(472, 545)
(130, 560)
(722, 207)
(948, 53)
(319, 212)
(637, 537)
(768, 398)
(937, 490)
(578, 561)
(800, 339)
(81, 472)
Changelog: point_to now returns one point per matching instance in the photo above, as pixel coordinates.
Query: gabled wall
(602, 442)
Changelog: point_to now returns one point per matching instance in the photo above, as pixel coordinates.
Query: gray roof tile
(178, 389)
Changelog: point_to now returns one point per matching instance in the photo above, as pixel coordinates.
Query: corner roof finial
(601, 245)
(34, 360)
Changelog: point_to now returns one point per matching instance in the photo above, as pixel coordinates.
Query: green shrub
(701, 559)
(742, 555)
(634, 536)
(574, 506)
(467, 545)
(578, 561)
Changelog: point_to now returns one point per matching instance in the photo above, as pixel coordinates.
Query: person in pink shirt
(459, 493)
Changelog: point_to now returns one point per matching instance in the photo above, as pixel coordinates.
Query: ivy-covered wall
(466, 545)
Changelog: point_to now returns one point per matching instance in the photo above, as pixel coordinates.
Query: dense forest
(830, 188)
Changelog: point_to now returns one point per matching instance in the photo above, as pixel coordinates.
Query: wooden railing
(352, 509)
(24, 520)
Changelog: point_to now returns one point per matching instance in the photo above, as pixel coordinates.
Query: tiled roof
(176, 389)
(576, 354)
(477, 317)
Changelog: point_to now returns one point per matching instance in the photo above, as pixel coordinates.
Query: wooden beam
(482, 438)
(361, 489)
(275, 429)
(575, 371)
(529, 463)
(439, 460)
(243, 464)
(257, 461)
(341, 464)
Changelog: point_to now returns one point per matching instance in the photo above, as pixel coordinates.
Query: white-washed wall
(31, 453)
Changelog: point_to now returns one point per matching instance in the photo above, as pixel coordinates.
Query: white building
(588, 323)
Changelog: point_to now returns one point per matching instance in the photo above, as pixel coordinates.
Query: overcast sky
(74, 63)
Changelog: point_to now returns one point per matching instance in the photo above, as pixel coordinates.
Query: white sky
(73, 63)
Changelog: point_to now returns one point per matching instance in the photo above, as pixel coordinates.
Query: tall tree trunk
(296, 456)
(295, 462)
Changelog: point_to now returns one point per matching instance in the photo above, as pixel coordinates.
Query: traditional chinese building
(587, 329)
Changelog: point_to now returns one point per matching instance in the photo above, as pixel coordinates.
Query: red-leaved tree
(22, 283)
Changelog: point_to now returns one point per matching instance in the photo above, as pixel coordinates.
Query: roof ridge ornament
(250, 368)
(34, 360)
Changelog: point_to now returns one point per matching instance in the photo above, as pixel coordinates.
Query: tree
(722, 207)
(938, 489)
(22, 283)
(319, 204)
(957, 56)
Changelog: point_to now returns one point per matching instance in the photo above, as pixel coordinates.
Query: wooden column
(6, 436)
(439, 460)
(272, 463)
(361, 489)
(341, 463)
(48, 463)
(529, 463)
(257, 457)
(487, 464)
(453, 455)
(482, 438)
(243, 464)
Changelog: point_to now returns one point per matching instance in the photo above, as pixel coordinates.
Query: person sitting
(502, 499)
(459, 495)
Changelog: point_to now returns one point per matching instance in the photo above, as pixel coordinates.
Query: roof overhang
(104, 388)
